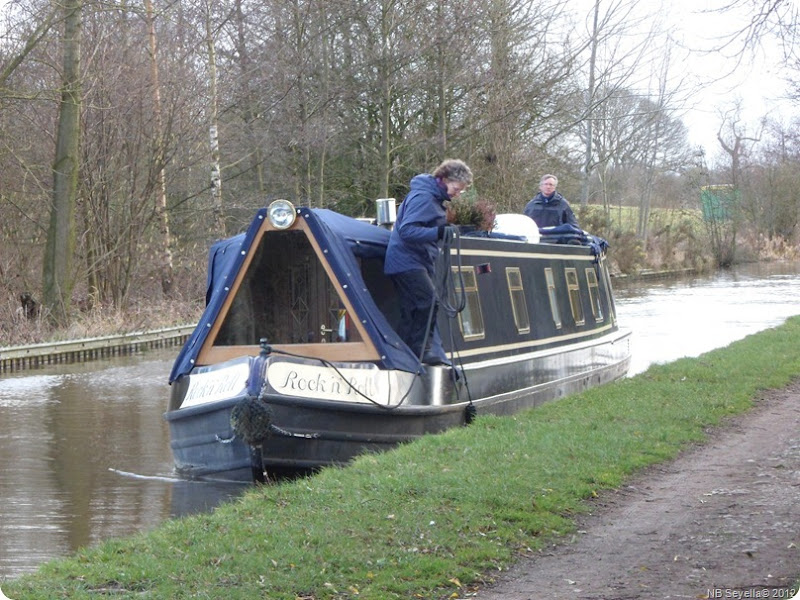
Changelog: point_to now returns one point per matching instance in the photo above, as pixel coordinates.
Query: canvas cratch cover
(345, 240)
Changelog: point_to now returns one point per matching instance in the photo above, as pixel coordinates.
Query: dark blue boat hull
(313, 433)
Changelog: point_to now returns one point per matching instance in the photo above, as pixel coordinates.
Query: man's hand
(448, 231)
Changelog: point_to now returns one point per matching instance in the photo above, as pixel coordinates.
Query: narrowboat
(295, 363)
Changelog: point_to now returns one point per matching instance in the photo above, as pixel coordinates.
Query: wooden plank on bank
(37, 355)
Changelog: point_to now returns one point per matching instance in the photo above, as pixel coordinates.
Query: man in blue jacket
(549, 208)
(412, 251)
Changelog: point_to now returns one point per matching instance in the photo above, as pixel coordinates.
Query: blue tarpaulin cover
(343, 240)
(569, 234)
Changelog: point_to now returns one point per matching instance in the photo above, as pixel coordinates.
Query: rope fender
(251, 420)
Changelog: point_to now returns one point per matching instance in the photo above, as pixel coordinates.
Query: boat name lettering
(333, 384)
(216, 385)
(226, 383)
(325, 383)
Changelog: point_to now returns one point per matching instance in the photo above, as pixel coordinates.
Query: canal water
(674, 318)
(84, 450)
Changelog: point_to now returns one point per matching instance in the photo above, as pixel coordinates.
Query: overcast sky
(757, 81)
(712, 81)
(723, 77)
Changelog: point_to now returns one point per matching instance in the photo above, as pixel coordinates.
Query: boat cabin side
(294, 290)
(522, 297)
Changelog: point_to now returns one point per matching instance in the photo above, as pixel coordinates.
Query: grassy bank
(434, 517)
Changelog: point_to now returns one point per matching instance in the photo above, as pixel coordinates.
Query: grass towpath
(432, 518)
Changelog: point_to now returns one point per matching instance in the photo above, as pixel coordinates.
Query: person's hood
(428, 183)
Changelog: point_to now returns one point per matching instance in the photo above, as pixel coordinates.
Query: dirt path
(721, 521)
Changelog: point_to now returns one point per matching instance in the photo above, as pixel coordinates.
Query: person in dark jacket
(412, 251)
(549, 208)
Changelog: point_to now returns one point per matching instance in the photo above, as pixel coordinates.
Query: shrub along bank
(431, 518)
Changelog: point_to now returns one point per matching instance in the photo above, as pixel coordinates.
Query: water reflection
(85, 457)
(84, 450)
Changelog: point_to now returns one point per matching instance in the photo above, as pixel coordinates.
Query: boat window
(518, 305)
(551, 293)
(607, 286)
(471, 318)
(574, 290)
(594, 293)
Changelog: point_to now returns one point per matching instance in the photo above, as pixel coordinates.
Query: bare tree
(524, 83)
(619, 53)
(58, 261)
(166, 266)
(664, 141)
(213, 125)
(777, 177)
(41, 28)
(736, 142)
(766, 18)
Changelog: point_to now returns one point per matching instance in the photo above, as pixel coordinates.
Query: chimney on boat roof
(387, 212)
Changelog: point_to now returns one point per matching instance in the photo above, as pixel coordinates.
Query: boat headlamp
(281, 214)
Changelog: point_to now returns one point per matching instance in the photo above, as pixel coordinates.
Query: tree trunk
(57, 268)
(588, 162)
(385, 164)
(166, 267)
(213, 129)
(250, 98)
(325, 92)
